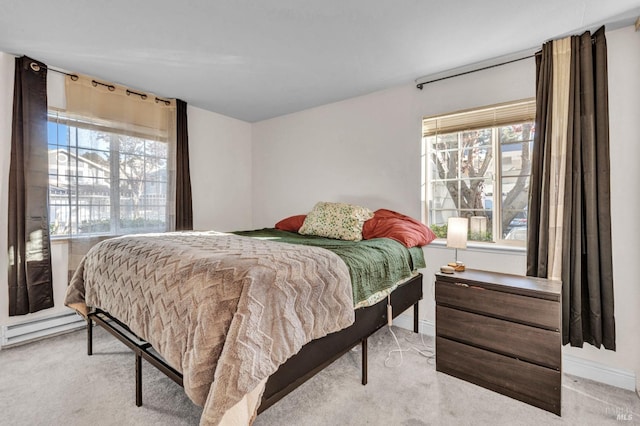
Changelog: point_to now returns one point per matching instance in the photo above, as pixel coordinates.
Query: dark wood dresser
(501, 332)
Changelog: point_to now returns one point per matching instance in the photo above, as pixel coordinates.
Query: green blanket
(375, 264)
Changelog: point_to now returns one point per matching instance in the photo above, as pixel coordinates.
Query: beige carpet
(54, 382)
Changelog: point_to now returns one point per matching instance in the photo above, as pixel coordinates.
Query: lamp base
(457, 266)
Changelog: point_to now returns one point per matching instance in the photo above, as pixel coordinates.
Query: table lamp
(457, 228)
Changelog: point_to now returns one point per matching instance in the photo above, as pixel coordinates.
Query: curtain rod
(74, 77)
(36, 67)
(420, 85)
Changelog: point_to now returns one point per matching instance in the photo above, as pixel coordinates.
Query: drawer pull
(462, 284)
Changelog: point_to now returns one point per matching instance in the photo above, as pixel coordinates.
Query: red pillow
(291, 224)
(404, 229)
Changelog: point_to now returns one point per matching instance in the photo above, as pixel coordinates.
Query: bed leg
(89, 336)
(416, 325)
(364, 361)
(138, 380)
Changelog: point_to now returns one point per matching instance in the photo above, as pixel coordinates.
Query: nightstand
(501, 332)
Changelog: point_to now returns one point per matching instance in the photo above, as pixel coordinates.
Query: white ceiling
(253, 59)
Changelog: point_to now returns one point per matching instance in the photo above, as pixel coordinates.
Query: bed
(281, 307)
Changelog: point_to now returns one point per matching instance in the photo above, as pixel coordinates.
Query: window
(103, 181)
(477, 164)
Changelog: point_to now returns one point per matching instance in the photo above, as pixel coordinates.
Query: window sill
(66, 239)
(484, 247)
(59, 240)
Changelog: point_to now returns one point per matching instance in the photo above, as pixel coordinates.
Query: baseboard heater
(22, 332)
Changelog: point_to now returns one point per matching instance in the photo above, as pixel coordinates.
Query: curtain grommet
(34, 66)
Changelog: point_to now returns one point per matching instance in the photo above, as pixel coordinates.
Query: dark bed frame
(311, 359)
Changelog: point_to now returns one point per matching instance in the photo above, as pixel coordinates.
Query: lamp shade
(457, 232)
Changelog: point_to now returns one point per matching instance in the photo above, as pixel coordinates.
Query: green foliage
(94, 226)
(480, 236)
(126, 225)
(440, 230)
(140, 223)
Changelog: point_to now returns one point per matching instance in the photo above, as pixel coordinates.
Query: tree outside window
(481, 173)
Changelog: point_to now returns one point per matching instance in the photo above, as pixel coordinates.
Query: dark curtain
(184, 210)
(537, 220)
(587, 273)
(30, 278)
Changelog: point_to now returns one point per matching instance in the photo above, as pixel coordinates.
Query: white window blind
(481, 118)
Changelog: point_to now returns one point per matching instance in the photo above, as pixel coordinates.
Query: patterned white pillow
(336, 220)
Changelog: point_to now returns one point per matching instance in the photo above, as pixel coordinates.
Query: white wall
(354, 151)
(624, 119)
(7, 63)
(366, 151)
(220, 163)
(220, 151)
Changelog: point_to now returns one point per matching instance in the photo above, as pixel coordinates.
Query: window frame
(74, 123)
(491, 117)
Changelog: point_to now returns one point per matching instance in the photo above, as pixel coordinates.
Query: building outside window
(477, 164)
(103, 182)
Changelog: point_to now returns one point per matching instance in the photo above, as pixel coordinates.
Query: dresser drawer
(536, 345)
(530, 383)
(523, 309)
